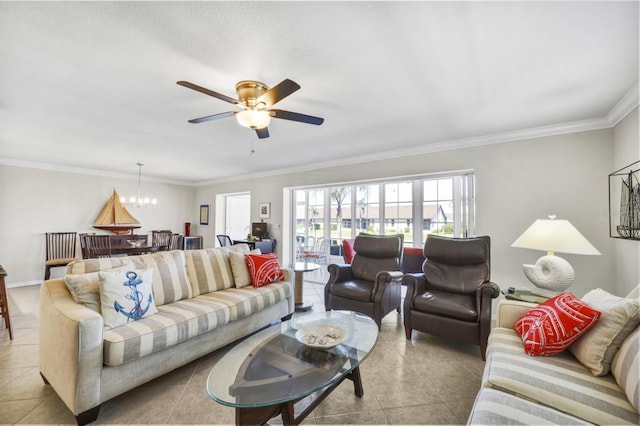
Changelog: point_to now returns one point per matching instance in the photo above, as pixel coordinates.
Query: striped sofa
(522, 389)
(200, 309)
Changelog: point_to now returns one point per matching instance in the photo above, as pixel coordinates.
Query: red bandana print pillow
(552, 326)
(264, 269)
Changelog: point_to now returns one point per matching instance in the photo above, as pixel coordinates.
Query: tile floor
(423, 381)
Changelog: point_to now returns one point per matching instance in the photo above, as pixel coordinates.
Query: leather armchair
(371, 284)
(451, 298)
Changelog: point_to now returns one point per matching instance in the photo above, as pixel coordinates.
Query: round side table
(299, 268)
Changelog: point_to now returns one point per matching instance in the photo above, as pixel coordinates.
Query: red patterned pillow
(264, 269)
(552, 326)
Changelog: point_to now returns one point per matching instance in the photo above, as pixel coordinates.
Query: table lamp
(552, 274)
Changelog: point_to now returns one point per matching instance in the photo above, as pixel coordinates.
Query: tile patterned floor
(423, 381)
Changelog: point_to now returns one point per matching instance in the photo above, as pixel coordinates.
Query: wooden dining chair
(176, 242)
(160, 239)
(60, 250)
(98, 246)
(83, 244)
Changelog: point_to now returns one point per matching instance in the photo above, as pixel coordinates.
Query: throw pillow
(264, 269)
(126, 296)
(239, 268)
(552, 326)
(597, 347)
(85, 289)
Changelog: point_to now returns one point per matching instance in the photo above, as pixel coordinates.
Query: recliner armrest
(389, 276)
(416, 284)
(339, 272)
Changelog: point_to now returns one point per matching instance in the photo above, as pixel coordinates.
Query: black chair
(372, 283)
(224, 240)
(452, 296)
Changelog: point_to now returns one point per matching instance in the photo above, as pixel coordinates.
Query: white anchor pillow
(125, 295)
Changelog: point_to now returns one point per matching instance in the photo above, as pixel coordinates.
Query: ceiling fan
(256, 100)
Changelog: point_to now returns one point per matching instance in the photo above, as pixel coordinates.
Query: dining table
(133, 250)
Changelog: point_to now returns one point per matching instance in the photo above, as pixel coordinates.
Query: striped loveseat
(200, 309)
(535, 390)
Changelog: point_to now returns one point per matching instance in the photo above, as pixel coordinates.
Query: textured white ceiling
(92, 85)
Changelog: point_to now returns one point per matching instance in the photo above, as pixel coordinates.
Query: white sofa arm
(70, 347)
(510, 311)
(289, 276)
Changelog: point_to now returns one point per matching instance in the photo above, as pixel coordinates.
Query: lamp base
(551, 275)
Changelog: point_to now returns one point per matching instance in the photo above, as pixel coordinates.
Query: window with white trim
(414, 206)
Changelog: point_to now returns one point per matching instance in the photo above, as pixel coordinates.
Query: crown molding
(92, 172)
(624, 106)
(619, 111)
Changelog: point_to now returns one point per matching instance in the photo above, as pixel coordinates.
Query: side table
(4, 302)
(299, 268)
(524, 296)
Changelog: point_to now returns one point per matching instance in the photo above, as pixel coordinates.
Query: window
(415, 207)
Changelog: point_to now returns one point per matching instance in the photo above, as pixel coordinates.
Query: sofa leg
(378, 321)
(44, 379)
(88, 416)
(407, 333)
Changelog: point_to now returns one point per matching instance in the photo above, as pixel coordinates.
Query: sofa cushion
(94, 265)
(245, 301)
(241, 275)
(125, 295)
(85, 289)
(597, 347)
(209, 269)
(493, 407)
(174, 323)
(560, 382)
(626, 368)
(264, 269)
(552, 326)
(170, 280)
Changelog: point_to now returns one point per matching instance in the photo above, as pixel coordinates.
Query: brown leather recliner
(371, 284)
(452, 297)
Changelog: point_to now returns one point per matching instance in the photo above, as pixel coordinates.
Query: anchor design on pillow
(137, 311)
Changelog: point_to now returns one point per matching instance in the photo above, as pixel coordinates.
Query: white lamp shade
(253, 119)
(555, 235)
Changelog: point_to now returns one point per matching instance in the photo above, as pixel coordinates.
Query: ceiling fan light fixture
(253, 119)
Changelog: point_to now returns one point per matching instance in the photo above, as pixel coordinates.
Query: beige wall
(36, 201)
(516, 182)
(627, 252)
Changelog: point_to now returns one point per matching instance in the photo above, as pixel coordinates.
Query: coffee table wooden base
(260, 415)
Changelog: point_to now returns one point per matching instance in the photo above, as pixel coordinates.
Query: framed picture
(204, 214)
(265, 210)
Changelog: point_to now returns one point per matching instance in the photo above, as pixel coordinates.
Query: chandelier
(139, 201)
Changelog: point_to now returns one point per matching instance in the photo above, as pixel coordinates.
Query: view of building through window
(414, 207)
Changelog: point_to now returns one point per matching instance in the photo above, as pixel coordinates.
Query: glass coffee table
(267, 373)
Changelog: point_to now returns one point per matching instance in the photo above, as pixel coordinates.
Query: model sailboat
(630, 207)
(115, 218)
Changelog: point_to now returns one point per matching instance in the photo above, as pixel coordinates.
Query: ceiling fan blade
(262, 133)
(208, 92)
(295, 116)
(278, 92)
(213, 117)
